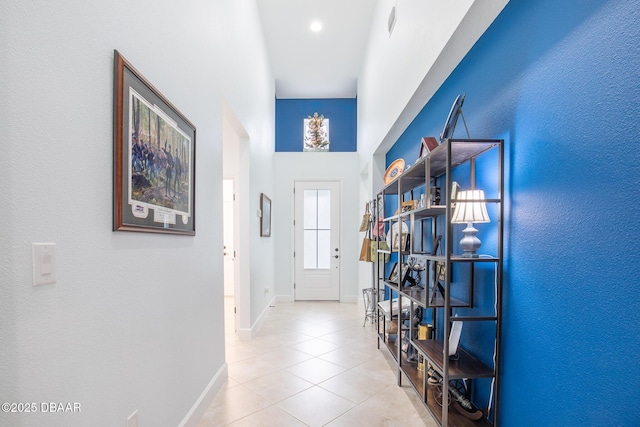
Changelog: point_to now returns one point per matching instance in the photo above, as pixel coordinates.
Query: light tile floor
(312, 364)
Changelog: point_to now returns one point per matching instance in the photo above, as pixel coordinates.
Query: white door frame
(236, 144)
(230, 266)
(340, 234)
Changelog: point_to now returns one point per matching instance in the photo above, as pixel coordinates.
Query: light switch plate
(44, 263)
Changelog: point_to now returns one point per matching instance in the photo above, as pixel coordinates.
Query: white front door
(317, 240)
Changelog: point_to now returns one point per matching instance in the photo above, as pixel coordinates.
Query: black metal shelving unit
(424, 222)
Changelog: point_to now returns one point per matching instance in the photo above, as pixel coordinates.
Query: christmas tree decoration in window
(316, 133)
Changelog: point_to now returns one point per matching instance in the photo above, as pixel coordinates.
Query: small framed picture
(265, 219)
(454, 337)
(394, 275)
(455, 190)
(436, 244)
(400, 241)
(407, 206)
(441, 271)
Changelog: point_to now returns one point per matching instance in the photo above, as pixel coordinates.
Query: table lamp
(469, 210)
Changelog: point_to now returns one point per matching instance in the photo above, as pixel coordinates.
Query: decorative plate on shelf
(393, 171)
(452, 118)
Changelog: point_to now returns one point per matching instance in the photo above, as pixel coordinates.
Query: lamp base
(470, 242)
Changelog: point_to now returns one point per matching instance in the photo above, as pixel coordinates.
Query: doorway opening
(235, 170)
(228, 238)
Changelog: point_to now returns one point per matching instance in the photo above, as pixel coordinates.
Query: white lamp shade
(468, 209)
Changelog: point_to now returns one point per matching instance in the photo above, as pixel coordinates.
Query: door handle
(336, 256)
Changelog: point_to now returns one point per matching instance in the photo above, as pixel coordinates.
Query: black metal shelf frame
(438, 165)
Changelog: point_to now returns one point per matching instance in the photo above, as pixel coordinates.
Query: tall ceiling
(323, 64)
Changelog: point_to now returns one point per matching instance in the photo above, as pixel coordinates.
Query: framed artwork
(154, 155)
(265, 217)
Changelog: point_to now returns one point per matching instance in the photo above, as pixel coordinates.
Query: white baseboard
(345, 298)
(244, 334)
(349, 298)
(247, 334)
(193, 417)
(284, 298)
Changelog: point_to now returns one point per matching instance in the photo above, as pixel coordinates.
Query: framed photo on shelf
(454, 337)
(399, 241)
(395, 271)
(394, 236)
(265, 217)
(407, 206)
(393, 275)
(441, 271)
(455, 190)
(154, 158)
(439, 277)
(436, 244)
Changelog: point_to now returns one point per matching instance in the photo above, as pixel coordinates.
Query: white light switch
(44, 263)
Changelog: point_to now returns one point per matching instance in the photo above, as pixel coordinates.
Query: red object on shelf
(428, 143)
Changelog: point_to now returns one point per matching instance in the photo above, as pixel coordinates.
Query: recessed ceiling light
(316, 26)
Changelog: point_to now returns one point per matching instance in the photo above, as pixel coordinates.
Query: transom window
(316, 133)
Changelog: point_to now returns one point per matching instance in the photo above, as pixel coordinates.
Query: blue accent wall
(290, 115)
(560, 82)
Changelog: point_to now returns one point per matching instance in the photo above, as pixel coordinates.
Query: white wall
(135, 320)
(290, 167)
(401, 72)
(251, 78)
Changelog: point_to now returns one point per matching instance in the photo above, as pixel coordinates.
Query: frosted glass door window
(317, 229)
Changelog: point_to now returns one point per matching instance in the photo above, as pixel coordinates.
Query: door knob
(336, 256)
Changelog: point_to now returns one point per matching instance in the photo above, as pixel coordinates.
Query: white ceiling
(325, 64)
